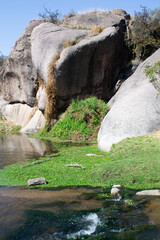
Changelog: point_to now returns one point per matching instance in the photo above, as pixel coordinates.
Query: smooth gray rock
(17, 113)
(19, 78)
(41, 98)
(2, 103)
(135, 109)
(47, 40)
(35, 123)
(31, 119)
(115, 192)
(37, 181)
(90, 67)
(149, 193)
(95, 18)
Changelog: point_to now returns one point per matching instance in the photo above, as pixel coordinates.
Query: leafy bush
(146, 32)
(153, 72)
(81, 120)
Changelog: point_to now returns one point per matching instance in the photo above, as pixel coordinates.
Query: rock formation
(49, 64)
(19, 78)
(135, 109)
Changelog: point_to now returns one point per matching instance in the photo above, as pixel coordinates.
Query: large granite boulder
(31, 119)
(48, 40)
(135, 109)
(96, 18)
(78, 62)
(19, 79)
(90, 64)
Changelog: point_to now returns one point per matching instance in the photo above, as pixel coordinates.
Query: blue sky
(16, 14)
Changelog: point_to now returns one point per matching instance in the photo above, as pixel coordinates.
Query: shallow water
(15, 148)
(77, 213)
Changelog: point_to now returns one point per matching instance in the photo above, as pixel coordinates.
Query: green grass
(8, 127)
(134, 163)
(81, 121)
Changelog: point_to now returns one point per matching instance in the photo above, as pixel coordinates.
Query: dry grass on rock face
(69, 43)
(97, 29)
(51, 91)
(40, 82)
(7, 126)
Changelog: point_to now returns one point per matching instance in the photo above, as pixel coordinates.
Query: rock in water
(135, 109)
(36, 181)
(115, 192)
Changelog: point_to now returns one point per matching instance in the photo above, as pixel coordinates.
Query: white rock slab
(149, 193)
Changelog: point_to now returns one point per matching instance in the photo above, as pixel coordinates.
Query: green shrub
(153, 72)
(145, 31)
(81, 120)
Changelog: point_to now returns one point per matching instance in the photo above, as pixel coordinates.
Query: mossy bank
(134, 163)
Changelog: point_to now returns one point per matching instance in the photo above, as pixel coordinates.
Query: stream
(75, 213)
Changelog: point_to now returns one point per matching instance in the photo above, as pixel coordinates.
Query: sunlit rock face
(19, 79)
(31, 119)
(89, 62)
(91, 54)
(135, 109)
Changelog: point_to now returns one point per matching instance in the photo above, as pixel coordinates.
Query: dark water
(78, 213)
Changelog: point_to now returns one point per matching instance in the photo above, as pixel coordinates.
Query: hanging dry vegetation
(51, 92)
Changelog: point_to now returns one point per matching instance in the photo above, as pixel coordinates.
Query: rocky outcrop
(135, 109)
(34, 124)
(31, 119)
(88, 66)
(2, 103)
(19, 78)
(96, 18)
(66, 61)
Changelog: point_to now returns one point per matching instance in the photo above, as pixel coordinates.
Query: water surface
(15, 148)
(75, 213)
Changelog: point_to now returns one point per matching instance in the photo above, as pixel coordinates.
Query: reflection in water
(15, 148)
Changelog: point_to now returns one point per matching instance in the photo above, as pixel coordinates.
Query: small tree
(153, 72)
(146, 32)
(53, 17)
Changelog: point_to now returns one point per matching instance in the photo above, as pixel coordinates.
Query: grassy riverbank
(134, 163)
(6, 126)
